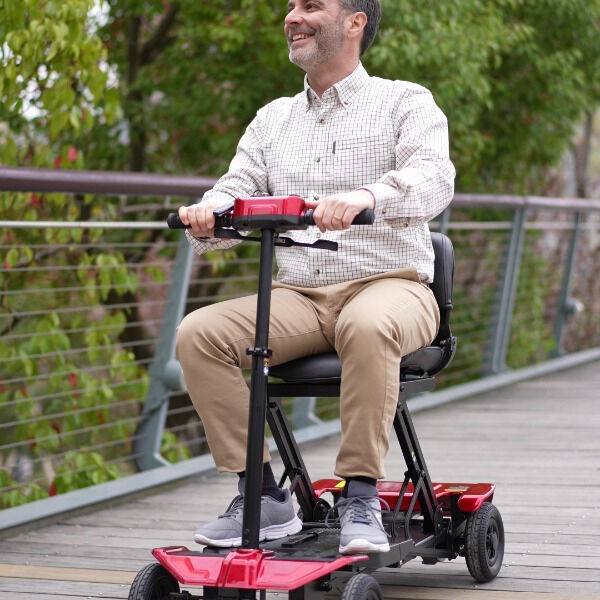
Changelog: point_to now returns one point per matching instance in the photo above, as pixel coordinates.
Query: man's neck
(326, 75)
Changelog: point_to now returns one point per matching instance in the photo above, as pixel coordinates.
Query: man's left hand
(337, 212)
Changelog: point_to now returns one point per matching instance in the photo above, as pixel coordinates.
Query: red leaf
(52, 490)
(72, 377)
(35, 200)
(6, 265)
(55, 426)
(57, 162)
(72, 153)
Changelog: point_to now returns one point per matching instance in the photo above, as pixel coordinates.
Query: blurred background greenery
(159, 86)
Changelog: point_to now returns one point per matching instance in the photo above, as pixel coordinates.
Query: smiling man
(347, 142)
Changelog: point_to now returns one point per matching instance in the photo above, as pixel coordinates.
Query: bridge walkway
(537, 440)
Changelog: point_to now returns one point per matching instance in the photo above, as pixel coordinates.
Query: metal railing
(90, 390)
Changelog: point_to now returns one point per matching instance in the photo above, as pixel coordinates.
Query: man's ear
(358, 22)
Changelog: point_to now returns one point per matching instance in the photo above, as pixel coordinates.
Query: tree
(53, 88)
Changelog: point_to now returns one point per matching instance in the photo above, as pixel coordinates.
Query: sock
(269, 486)
(360, 486)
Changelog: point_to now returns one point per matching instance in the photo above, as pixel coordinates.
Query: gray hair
(372, 8)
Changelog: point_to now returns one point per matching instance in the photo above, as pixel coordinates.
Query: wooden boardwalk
(538, 440)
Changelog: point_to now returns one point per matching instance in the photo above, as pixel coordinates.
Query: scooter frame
(434, 521)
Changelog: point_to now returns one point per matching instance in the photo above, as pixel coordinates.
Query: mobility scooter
(433, 521)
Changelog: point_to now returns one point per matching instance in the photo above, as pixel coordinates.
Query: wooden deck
(538, 441)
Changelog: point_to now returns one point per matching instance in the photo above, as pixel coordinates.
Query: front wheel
(484, 543)
(153, 582)
(362, 587)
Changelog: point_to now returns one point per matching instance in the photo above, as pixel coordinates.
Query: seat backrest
(443, 278)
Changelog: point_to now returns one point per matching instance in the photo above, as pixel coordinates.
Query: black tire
(362, 587)
(153, 582)
(484, 543)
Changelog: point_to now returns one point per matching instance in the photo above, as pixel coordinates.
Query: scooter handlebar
(366, 217)
(174, 222)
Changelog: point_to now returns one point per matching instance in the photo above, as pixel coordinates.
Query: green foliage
(53, 82)
(172, 449)
(15, 494)
(82, 469)
(170, 87)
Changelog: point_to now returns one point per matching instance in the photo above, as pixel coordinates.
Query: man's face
(314, 30)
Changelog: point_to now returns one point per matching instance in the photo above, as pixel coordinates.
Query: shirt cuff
(385, 198)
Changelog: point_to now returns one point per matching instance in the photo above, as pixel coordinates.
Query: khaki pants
(371, 323)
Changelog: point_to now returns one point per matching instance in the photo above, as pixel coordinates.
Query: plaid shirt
(388, 137)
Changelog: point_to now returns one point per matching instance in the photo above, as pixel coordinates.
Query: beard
(323, 44)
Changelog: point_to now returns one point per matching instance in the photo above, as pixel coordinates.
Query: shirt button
(318, 159)
(321, 121)
(318, 235)
(316, 196)
(317, 272)
(383, 211)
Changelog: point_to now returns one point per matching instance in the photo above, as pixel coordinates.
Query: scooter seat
(321, 368)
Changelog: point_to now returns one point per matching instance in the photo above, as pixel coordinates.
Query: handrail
(25, 179)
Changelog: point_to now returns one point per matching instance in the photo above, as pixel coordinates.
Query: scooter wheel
(484, 543)
(153, 582)
(362, 587)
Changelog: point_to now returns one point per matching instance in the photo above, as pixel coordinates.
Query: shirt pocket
(363, 159)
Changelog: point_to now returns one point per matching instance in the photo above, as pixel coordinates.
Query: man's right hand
(200, 218)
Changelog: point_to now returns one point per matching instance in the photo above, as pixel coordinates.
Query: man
(346, 143)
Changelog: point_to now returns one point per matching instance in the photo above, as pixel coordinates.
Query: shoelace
(236, 505)
(361, 510)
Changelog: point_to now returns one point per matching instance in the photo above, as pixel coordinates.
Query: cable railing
(90, 391)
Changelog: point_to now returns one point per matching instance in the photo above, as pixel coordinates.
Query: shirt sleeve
(422, 184)
(246, 175)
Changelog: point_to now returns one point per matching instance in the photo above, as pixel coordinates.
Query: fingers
(200, 218)
(335, 213)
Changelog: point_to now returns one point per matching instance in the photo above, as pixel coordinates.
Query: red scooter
(433, 521)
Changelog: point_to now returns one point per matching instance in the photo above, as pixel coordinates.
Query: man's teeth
(300, 36)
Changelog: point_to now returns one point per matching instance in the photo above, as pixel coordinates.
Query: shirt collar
(345, 89)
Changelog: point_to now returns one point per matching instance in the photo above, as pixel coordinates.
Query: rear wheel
(153, 582)
(362, 587)
(484, 543)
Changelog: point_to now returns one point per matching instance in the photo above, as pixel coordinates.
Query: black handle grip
(174, 222)
(365, 217)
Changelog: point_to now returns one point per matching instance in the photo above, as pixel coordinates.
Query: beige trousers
(371, 323)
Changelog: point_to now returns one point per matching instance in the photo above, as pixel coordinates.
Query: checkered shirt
(385, 136)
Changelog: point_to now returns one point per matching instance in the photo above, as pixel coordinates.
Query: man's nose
(293, 17)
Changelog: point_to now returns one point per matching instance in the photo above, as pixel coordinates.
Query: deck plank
(537, 440)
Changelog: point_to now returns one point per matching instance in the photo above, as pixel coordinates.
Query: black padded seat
(327, 368)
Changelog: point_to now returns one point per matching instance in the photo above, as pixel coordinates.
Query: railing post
(566, 307)
(164, 369)
(500, 328)
(303, 413)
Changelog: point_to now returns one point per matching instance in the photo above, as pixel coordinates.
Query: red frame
(248, 569)
(470, 495)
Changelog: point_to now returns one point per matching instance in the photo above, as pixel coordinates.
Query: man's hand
(200, 217)
(337, 212)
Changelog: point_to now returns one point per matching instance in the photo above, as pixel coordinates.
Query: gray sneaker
(277, 519)
(361, 526)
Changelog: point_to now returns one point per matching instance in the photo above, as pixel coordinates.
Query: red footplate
(246, 569)
(470, 495)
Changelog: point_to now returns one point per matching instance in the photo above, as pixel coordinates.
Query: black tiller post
(258, 396)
